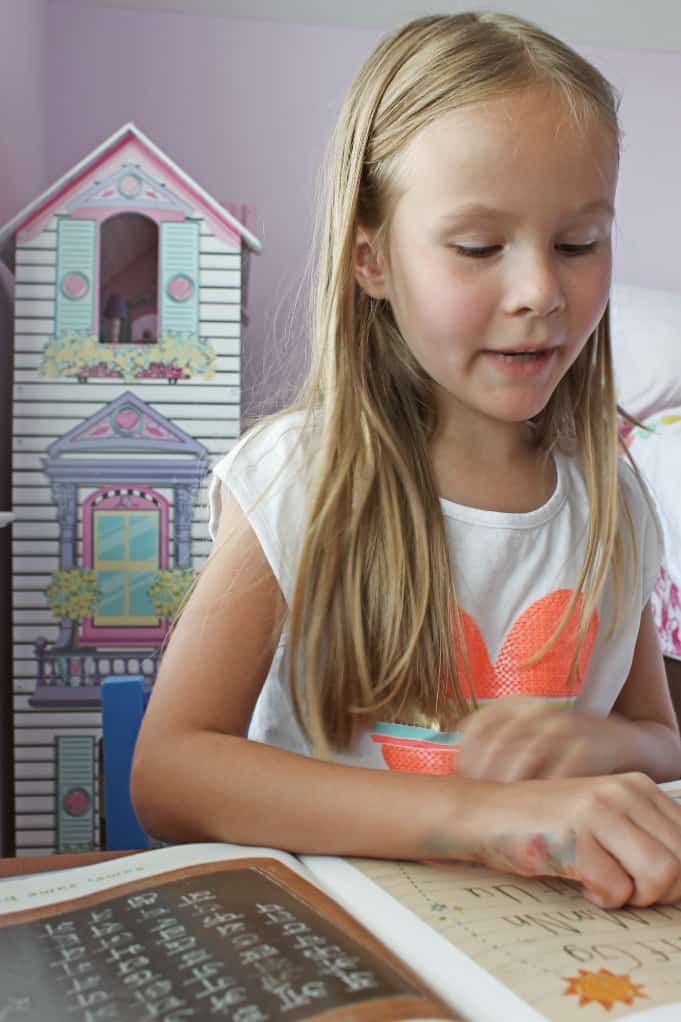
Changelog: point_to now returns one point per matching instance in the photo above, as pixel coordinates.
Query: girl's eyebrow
(482, 212)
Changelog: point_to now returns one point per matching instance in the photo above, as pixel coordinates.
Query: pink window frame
(90, 633)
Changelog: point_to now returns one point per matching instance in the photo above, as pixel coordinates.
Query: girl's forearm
(210, 786)
(614, 835)
(649, 747)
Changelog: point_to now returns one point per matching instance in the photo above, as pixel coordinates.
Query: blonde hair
(373, 620)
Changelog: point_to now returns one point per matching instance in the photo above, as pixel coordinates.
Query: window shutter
(75, 792)
(179, 304)
(76, 244)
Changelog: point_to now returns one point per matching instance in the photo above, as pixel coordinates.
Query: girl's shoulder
(269, 470)
(633, 490)
(269, 447)
(636, 493)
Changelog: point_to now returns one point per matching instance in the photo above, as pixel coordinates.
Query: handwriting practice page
(481, 937)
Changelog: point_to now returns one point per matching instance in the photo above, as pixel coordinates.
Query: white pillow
(645, 324)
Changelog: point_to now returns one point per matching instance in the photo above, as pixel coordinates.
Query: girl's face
(499, 254)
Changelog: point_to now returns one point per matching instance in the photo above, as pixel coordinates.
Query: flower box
(174, 357)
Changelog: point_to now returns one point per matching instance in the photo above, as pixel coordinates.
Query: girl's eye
(485, 251)
(477, 252)
(577, 250)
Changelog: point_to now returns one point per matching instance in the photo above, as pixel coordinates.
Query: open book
(256, 935)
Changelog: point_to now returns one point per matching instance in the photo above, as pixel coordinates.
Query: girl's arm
(196, 778)
(645, 703)
(518, 738)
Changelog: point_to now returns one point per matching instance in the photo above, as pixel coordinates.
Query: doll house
(130, 293)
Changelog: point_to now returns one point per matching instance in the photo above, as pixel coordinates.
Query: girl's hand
(517, 738)
(619, 837)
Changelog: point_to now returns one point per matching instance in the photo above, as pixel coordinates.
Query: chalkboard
(246, 941)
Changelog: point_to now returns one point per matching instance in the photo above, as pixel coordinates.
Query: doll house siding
(129, 303)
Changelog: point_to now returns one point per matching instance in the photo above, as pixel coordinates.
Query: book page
(25, 892)
(207, 932)
(562, 956)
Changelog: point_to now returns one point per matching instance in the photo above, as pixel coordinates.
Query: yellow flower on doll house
(169, 348)
(90, 349)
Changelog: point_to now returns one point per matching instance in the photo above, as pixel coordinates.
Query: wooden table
(25, 864)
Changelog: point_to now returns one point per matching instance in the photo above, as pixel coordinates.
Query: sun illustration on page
(604, 987)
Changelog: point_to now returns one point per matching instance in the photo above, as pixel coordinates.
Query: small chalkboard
(246, 941)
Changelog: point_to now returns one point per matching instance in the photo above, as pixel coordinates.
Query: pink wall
(242, 106)
(179, 77)
(648, 201)
(23, 103)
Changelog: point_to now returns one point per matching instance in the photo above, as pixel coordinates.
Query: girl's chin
(501, 405)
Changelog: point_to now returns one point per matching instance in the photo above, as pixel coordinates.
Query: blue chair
(124, 700)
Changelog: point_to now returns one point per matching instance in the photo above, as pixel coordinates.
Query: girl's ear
(369, 265)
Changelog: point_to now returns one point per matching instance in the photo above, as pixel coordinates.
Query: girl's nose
(535, 288)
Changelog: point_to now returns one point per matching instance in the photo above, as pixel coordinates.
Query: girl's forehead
(528, 138)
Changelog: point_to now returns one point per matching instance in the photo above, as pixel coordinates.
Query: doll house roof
(183, 192)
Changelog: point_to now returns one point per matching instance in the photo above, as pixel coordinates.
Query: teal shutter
(76, 256)
(75, 793)
(179, 278)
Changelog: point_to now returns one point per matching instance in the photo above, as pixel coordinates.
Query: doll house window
(126, 545)
(128, 298)
(124, 536)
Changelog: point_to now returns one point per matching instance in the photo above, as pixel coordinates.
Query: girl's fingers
(520, 740)
(550, 755)
(516, 754)
(603, 878)
(524, 760)
(670, 809)
(618, 836)
(653, 811)
(645, 845)
(631, 824)
(498, 739)
(571, 761)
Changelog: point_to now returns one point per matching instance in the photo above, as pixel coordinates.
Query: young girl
(438, 557)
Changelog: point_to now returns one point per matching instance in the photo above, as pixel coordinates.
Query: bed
(646, 341)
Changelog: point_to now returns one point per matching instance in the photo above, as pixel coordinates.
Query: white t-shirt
(513, 572)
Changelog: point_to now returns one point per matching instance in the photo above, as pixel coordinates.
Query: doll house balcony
(71, 677)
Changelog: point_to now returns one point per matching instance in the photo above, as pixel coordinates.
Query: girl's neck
(506, 472)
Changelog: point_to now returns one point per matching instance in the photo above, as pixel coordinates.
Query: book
(203, 931)
(196, 931)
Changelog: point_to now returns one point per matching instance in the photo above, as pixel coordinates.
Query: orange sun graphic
(605, 988)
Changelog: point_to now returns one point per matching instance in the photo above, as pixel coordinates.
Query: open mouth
(522, 356)
(522, 364)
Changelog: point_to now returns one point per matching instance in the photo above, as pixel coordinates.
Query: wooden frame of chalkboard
(248, 940)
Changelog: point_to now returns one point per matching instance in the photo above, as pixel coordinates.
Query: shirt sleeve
(647, 528)
(267, 473)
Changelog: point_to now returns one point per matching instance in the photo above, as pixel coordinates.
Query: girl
(442, 532)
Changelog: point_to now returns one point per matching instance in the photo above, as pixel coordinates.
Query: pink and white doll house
(130, 294)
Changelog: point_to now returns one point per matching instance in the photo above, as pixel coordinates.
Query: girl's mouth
(523, 355)
(521, 363)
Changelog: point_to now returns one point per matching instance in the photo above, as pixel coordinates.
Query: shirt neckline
(511, 519)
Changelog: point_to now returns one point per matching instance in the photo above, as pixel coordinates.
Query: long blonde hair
(373, 619)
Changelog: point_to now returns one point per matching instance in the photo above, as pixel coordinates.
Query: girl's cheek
(599, 297)
(472, 301)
